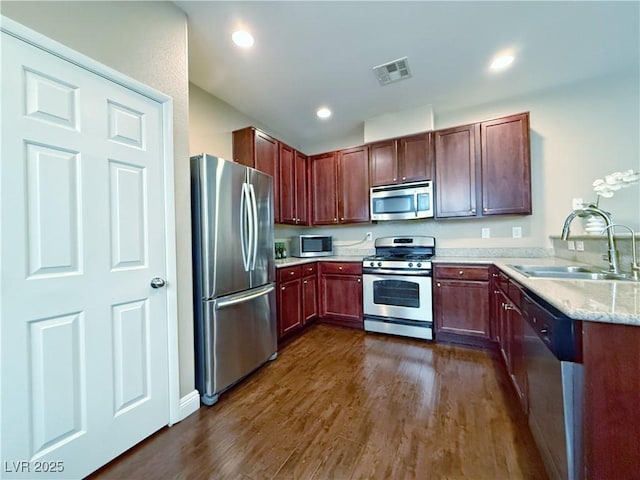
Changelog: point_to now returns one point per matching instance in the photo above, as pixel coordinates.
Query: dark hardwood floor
(339, 403)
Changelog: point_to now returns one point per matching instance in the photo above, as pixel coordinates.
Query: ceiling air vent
(393, 71)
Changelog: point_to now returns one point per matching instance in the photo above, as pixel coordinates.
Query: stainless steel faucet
(635, 268)
(591, 210)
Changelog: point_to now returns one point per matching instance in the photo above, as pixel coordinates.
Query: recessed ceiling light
(242, 38)
(501, 62)
(323, 112)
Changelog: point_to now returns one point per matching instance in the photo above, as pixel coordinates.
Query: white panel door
(84, 336)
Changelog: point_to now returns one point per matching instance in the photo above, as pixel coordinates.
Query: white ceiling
(309, 54)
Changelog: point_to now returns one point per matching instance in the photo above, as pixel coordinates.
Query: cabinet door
(287, 185)
(302, 205)
(506, 166)
(353, 174)
(324, 189)
(266, 149)
(516, 347)
(456, 151)
(383, 163)
(289, 307)
(341, 297)
(415, 158)
(462, 308)
(309, 298)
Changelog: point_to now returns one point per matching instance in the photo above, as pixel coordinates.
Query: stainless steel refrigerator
(234, 272)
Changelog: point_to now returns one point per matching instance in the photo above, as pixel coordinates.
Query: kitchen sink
(568, 272)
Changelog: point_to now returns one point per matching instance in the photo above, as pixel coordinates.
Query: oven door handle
(404, 273)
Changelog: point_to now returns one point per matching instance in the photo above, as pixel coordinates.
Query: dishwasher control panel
(561, 334)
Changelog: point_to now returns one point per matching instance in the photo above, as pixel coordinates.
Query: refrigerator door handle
(254, 206)
(245, 297)
(244, 206)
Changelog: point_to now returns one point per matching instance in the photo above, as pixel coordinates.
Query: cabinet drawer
(309, 269)
(289, 273)
(347, 268)
(462, 272)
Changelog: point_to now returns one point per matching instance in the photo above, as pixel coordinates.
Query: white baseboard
(189, 404)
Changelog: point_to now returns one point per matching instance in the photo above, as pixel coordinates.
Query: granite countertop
(608, 301)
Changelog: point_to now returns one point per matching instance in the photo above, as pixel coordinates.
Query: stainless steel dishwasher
(555, 383)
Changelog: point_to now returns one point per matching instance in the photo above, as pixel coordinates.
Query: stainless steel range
(397, 287)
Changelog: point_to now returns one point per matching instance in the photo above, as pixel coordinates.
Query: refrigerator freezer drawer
(239, 335)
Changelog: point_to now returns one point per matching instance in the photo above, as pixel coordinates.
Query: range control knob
(419, 265)
(371, 264)
(379, 264)
(410, 264)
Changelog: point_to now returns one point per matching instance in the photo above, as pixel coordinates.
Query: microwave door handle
(415, 204)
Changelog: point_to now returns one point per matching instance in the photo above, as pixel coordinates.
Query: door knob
(158, 282)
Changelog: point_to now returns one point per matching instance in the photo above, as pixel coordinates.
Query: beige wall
(146, 41)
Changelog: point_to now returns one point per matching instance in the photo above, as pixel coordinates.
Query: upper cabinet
(256, 149)
(402, 160)
(456, 152)
(293, 186)
(339, 184)
(506, 166)
(484, 168)
(353, 178)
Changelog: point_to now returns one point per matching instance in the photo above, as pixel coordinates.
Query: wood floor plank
(345, 404)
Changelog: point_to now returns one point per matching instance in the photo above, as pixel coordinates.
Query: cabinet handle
(335, 219)
(395, 179)
(404, 178)
(292, 273)
(461, 272)
(473, 210)
(485, 209)
(341, 218)
(494, 275)
(359, 280)
(310, 269)
(305, 282)
(438, 284)
(339, 268)
(282, 288)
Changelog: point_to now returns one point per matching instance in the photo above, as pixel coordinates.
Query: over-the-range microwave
(402, 202)
(311, 246)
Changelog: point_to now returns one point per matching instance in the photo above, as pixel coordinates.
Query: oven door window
(399, 293)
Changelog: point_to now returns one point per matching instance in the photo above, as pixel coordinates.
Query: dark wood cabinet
(293, 186)
(309, 292)
(461, 298)
(484, 168)
(341, 293)
(324, 189)
(289, 301)
(402, 160)
(353, 178)
(383, 162)
(256, 149)
(456, 154)
(611, 359)
(340, 187)
(506, 166)
(297, 298)
(510, 331)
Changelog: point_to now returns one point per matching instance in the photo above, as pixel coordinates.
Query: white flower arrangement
(605, 187)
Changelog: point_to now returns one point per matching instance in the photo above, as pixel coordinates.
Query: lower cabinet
(461, 304)
(297, 298)
(510, 331)
(341, 293)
